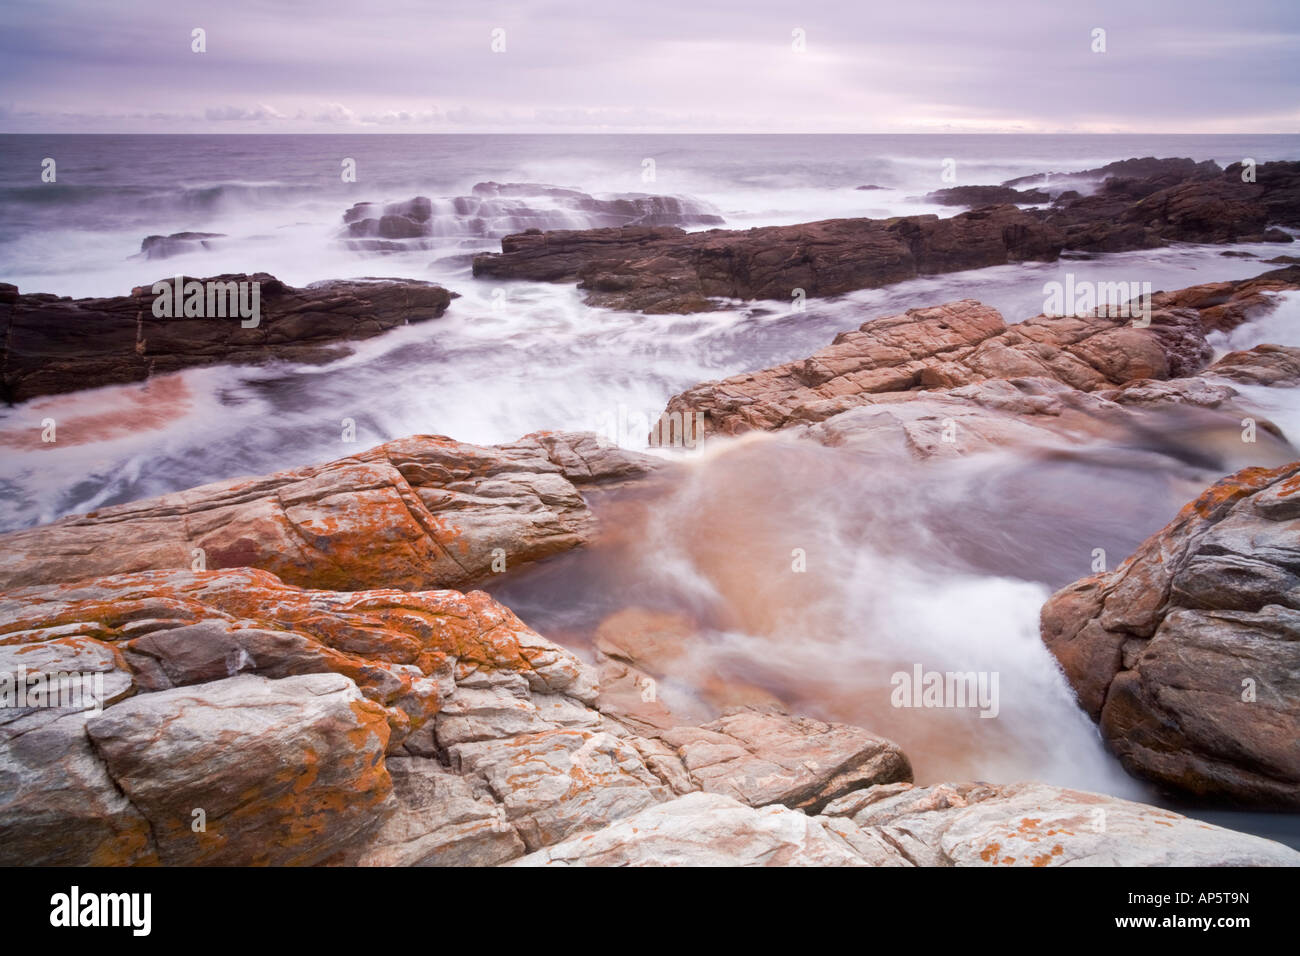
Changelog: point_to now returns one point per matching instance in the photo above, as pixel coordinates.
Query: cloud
(238, 114)
(1171, 65)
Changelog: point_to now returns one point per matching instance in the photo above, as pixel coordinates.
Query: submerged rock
(178, 244)
(498, 209)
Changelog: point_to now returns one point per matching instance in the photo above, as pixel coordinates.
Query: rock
(59, 806)
(704, 829)
(286, 772)
(966, 824)
(1272, 365)
(948, 346)
(440, 821)
(1225, 305)
(767, 758)
(948, 357)
(414, 513)
(498, 209)
(1034, 824)
(559, 782)
(1147, 167)
(54, 345)
(1187, 653)
(445, 680)
(985, 196)
(178, 244)
(669, 270)
(1142, 204)
(1143, 213)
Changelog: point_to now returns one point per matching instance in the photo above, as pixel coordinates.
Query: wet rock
(947, 358)
(178, 244)
(54, 345)
(667, 270)
(986, 196)
(1187, 653)
(414, 513)
(967, 824)
(493, 210)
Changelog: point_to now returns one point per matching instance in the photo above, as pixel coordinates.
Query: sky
(865, 66)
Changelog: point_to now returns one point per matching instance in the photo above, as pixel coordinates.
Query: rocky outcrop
(930, 364)
(1188, 655)
(246, 721)
(967, 824)
(54, 345)
(1173, 170)
(382, 727)
(414, 513)
(1143, 213)
(668, 270)
(498, 209)
(268, 708)
(946, 347)
(1140, 204)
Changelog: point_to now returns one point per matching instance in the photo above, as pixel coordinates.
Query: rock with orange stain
(1036, 824)
(59, 805)
(420, 512)
(1187, 653)
(560, 782)
(195, 662)
(286, 771)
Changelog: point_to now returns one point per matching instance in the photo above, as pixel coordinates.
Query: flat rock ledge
(418, 512)
(53, 344)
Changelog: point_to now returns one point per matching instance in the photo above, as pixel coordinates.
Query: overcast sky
(1192, 66)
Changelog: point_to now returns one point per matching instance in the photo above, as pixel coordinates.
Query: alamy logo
(177, 299)
(946, 689)
(625, 428)
(1079, 298)
(67, 690)
(102, 909)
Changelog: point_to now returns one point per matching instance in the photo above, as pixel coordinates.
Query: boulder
(283, 771)
(178, 244)
(985, 196)
(1187, 653)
